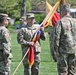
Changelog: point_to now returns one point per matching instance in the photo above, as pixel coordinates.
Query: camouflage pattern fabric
(65, 45)
(5, 51)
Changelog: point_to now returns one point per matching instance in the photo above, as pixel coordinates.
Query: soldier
(23, 21)
(5, 46)
(65, 42)
(24, 38)
(28, 14)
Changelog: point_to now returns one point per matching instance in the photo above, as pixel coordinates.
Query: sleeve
(20, 37)
(42, 36)
(6, 43)
(56, 37)
(53, 53)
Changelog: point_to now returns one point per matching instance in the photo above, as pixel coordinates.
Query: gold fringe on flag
(49, 16)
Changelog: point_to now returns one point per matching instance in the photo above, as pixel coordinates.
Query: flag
(45, 23)
(56, 15)
(31, 56)
(37, 36)
(55, 18)
(48, 7)
(31, 49)
(49, 16)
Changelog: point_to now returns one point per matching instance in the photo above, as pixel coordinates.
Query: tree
(23, 8)
(13, 7)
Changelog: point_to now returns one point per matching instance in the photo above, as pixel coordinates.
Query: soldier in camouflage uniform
(28, 14)
(23, 21)
(24, 38)
(5, 46)
(65, 42)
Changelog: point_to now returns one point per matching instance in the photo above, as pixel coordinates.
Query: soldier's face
(6, 22)
(30, 21)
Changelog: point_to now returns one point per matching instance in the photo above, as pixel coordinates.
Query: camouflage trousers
(5, 67)
(34, 70)
(66, 64)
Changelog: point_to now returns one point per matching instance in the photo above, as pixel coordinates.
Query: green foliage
(39, 17)
(17, 18)
(7, 6)
(10, 26)
(28, 6)
(17, 22)
(11, 8)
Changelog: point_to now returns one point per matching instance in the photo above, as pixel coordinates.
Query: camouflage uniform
(65, 45)
(23, 22)
(24, 36)
(5, 48)
(51, 36)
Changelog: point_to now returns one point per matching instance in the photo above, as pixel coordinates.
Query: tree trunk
(23, 10)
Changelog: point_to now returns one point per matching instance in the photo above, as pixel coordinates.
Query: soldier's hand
(42, 28)
(30, 43)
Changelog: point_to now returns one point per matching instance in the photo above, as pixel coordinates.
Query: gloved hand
(30, 43)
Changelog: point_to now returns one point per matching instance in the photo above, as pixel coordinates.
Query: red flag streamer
(55, 18)
(56, 15)
(31, 56)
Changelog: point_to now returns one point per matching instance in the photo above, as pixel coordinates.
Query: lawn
(47, 66)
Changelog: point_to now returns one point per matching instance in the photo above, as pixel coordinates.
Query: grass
(47, 66)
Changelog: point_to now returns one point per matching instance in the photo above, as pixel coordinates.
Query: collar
(31, 27)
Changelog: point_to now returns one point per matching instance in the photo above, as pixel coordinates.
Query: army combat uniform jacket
(5, 50)
(5, 44)
(65, 45)
(26, 34)
(65, 35)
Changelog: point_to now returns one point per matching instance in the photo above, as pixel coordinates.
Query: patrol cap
(30, 15)
(66, 7)
(5, 16)
(23, 18)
